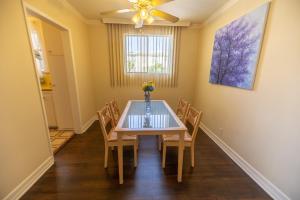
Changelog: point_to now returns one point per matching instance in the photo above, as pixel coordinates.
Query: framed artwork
(237, 48)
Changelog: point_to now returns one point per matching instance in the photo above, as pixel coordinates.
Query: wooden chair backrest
(192, 121)
(115, 111)
(106, 121)
(182, 109)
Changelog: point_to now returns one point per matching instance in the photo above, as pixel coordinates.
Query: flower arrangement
(147, 88)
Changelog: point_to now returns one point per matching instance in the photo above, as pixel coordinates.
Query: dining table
(153, 117)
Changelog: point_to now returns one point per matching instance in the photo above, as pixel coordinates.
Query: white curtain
(138, 55)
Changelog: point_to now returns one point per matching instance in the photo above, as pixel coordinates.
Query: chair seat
(112, 136)
(174, 138)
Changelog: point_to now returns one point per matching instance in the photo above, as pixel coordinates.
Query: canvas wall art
(236, 50)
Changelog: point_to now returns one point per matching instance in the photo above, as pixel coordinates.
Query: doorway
(53, 64)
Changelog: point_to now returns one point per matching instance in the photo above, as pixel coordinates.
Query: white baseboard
(87, 124)
(262, 181)
(26, 184)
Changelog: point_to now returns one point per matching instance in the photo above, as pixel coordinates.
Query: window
(139, 55)
(148, 54)
(38, 51)
(38, 45)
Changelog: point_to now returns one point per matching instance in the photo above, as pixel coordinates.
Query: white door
(61, 94)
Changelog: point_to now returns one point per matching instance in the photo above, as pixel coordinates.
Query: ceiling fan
(145, 11)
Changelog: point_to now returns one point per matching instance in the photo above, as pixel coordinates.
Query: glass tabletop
(145, 115)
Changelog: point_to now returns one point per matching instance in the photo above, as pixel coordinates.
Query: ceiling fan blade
(116, 11)
(159, 2)
(164, 15)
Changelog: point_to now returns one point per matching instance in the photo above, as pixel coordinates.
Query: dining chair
(181, 112)
(192, 122)
(182, 108)
(110, 136)
(116, 114)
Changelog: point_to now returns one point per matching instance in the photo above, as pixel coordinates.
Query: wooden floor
(78, 173)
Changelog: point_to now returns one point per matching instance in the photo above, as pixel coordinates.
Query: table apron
(173, 132)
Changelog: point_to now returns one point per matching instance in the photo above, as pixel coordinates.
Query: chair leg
(135, 148)
(164, 155)
(192, 155)
(105, 155)
(159, 142)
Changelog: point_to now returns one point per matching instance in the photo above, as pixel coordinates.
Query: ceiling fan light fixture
(136, 18)
(144, 14)
(139, 23)
(150, 20)
(145, 11)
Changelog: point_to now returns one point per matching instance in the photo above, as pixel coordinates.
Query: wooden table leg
(120, 158)
(180, 156)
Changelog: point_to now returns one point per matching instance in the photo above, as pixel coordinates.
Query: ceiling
(195, 11)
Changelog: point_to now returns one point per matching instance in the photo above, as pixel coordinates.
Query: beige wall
(104, 92)
(61, 13)
(261, 125)
(23, 133)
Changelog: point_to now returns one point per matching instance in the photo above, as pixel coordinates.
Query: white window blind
(148, 53)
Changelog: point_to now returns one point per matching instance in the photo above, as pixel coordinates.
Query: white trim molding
(155, 23)
(262, 181)
(26, 184)
(88, 124)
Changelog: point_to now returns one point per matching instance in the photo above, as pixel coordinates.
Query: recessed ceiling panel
(195, 11)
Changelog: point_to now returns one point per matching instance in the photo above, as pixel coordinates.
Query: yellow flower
(148, 85)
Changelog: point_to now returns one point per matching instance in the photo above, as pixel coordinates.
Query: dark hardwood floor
(78, 173)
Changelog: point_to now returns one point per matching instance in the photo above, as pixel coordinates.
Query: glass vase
(147, 96)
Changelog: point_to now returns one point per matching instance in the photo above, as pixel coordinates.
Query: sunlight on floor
(59, 138)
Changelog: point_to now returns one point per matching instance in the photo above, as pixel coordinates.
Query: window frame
(145, 72)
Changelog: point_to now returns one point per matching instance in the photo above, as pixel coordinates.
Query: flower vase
(147, 96)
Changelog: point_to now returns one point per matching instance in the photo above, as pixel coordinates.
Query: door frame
(69, 61)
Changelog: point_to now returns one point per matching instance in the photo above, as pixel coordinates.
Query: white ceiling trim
(156, 22)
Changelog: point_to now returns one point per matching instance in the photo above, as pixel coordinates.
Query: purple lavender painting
(236, 50)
